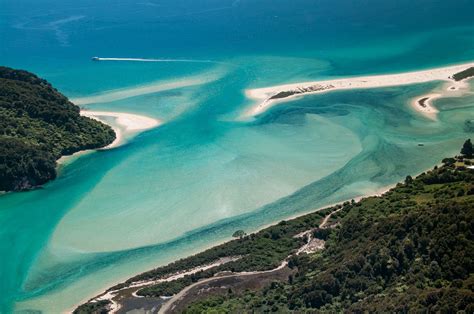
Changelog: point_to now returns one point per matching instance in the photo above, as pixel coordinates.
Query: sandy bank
(424, 103)
(125, 125)
(115, 95)
(270, 96)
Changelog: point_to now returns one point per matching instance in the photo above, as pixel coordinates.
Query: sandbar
(124, 125)
(269, 96)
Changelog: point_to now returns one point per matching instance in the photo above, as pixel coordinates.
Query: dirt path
(111, 295)
(326, 219)
(170, 305)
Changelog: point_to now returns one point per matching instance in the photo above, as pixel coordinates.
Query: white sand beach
(125, 125)
(424, 105)
(270, 96)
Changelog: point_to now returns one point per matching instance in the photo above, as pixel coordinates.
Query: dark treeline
(38, 125)
(410, 250)
(263, 250)
(464, 74)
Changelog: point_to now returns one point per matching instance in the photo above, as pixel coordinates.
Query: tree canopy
(467, 149)
(38, 125)
(411, 250)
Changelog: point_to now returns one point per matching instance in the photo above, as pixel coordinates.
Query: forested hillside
(410, 250)
(38, 125)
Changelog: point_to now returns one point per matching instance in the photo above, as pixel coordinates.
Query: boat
(95, 59)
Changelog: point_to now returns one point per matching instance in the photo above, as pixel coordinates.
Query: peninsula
(38, 125)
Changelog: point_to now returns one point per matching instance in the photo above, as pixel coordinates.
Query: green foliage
(100, 307)
(263, 250)
(410, 250)
(239, 234)
(467, 150)
(24, 165)
(469, 126)
(260, 251)
(464, 74)
(38, 125)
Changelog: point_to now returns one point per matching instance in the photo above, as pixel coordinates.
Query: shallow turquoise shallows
(189, 184)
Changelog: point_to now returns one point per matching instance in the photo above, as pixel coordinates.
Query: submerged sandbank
(115, 95)
(270, 96)
(155, 87)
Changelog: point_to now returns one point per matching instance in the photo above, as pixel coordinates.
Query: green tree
(467, 150)
(38, 125)
(239, 234)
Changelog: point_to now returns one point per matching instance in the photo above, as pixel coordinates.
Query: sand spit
(424, 103)
(269, 96)
(125, 125)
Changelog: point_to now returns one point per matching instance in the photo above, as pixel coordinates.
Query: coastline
(124, 125)
(442, 74)
(268, 97)
(109, 295)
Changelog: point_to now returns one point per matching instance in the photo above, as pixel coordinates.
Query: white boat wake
(152, 60)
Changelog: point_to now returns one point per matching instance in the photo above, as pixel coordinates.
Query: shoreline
(125, 125)
(268, 97)
(109, 294)
(375, 193)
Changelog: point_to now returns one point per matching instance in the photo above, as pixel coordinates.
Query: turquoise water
(187, 185)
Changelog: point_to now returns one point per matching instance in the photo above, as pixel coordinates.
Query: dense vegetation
(263, 250)
(409, 250)
(38, 125)
(464, 74)
(467, 149)
(99, 307)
